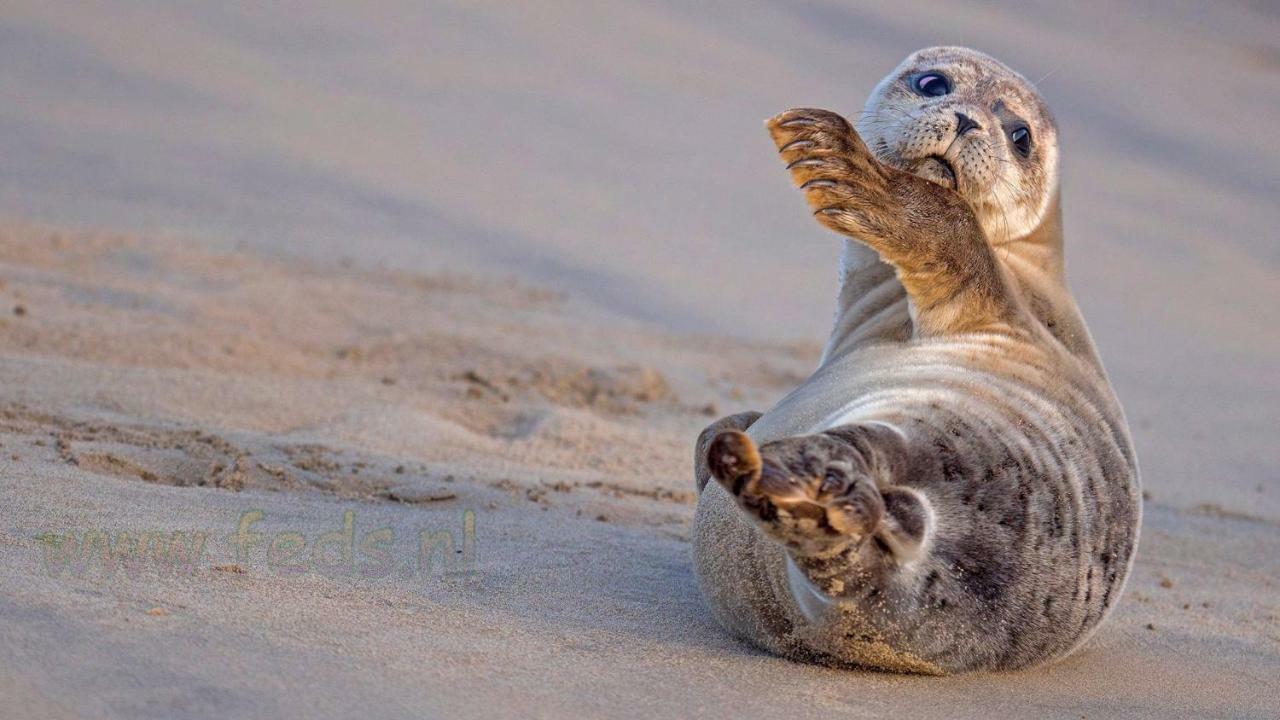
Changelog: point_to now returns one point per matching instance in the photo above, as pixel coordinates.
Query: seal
(954, 488)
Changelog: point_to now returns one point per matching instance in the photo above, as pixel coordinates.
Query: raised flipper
(927, 232)
(820, 495)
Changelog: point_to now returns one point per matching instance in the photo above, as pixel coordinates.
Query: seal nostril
(964, 124)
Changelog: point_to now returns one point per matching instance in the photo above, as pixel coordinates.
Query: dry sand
(502, 263)
(153, 387)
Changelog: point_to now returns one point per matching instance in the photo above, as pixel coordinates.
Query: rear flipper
(820, 495)
(740, 421)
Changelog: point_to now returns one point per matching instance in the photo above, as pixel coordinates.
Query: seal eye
(1021, 138)
(932, 84)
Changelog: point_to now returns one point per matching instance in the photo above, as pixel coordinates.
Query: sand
(478, 274)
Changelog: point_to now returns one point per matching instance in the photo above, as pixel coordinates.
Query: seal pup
(954, 488)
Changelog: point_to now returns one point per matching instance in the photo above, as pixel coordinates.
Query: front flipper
(820, 495)
(928, 233)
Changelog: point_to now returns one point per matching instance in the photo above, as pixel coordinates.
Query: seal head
(965, 120)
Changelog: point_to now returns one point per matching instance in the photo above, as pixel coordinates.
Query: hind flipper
(740, 421)
(822, 495)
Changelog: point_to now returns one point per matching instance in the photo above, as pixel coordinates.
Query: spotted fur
(954, 488)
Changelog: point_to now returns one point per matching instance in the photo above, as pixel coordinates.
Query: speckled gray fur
(932, 502)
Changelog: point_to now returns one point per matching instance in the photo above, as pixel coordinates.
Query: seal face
(954, 488)
(966, 121)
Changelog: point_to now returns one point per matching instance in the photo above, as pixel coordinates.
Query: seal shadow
(584, 582)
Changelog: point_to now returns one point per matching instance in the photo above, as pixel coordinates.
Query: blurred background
(615, 150)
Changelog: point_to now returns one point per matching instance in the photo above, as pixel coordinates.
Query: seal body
(954, 488)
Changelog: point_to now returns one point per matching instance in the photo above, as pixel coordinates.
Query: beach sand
(478, 275)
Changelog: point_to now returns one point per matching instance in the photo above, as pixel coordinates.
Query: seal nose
(964, 124)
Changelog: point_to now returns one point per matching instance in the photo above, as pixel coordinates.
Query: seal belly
(1029, 471)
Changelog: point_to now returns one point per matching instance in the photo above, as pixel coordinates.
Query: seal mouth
(939, 170)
